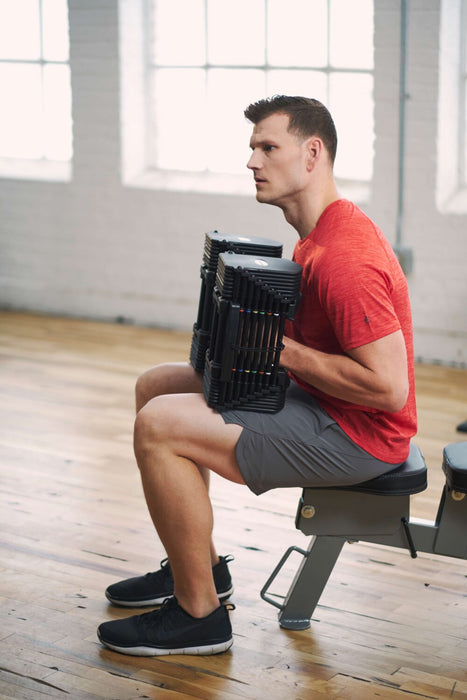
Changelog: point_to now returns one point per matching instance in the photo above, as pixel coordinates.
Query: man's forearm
(378, 383)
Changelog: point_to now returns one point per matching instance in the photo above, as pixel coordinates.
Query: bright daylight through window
(35, 118)
(210, 58)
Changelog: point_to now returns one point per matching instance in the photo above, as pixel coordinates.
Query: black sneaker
(169, 630)
(155, 587)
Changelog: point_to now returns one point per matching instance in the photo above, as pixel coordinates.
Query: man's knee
(150, 427)
(144, 388)
(184, 426)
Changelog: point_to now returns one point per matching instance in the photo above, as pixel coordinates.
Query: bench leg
(309, 581)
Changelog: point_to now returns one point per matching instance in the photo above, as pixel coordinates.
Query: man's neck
(304, 214)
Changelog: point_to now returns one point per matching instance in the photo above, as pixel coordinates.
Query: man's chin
(264, 199)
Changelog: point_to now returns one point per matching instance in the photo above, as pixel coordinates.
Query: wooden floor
(73, 520)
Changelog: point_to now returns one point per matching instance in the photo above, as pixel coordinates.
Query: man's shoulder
(346, 217)
(346, 242)
(345, 227)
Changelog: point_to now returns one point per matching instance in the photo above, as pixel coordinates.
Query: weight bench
(376, 511)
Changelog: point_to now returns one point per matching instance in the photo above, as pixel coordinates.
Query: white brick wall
(93, 247)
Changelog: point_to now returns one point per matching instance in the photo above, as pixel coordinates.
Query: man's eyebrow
(262, 142)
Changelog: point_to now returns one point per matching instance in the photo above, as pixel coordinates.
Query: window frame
(451, 167)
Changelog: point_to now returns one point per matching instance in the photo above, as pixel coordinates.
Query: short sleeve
(357, 298)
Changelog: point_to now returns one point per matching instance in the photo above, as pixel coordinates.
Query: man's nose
(253, 162)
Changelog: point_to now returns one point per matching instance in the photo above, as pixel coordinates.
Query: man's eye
(268, 148)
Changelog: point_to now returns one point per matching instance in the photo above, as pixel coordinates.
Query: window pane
(351, 34)
(308, 83)
(21, 112)
(180, 119)
(229, 93)
(19, 29)
(351, 104)
(179, 32)
(55, 40)
(57, 113)
(297, 33)
(236, 32)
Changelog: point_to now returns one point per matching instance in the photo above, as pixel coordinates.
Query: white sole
(205, 650)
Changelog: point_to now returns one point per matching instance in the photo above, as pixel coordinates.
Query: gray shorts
(301, 445)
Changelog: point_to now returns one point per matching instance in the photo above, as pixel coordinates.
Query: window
(451, 187)
(35, 118)
(208, 59)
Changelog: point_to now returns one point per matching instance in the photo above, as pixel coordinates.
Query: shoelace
(164, 572)
(154, 617)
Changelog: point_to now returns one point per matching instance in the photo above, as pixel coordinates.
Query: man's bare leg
(175, 436)
(167, 378)
(172, 378)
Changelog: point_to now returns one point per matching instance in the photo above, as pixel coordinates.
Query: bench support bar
(312, 575)
(445, 537)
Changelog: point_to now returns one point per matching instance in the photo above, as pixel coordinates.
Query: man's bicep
(386, 358)
(385, 354)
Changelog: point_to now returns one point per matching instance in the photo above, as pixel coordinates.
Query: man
(349, 412)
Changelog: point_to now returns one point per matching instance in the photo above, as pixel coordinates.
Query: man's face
(278, 161)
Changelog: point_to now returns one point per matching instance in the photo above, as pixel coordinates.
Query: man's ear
(314, 148)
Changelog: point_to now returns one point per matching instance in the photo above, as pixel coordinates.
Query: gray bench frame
(370, 513)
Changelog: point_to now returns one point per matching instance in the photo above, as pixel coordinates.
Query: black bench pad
(455, 466)
(410, 477)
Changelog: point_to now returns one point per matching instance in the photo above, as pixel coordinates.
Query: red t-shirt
(353, 293)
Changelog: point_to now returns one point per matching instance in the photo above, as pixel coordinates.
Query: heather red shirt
(354, 292)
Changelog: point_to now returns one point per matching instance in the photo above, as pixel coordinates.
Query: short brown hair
(308, 117)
